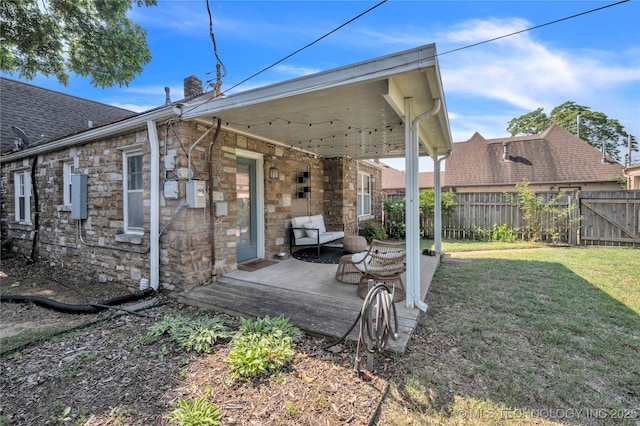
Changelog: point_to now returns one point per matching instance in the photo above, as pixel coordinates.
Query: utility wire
(307, 46)
(434, 56)
(532, 28)
(291, 54)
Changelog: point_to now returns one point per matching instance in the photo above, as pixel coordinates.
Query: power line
(434, 56)
(307, 46)
(532, 28)
(291, 54)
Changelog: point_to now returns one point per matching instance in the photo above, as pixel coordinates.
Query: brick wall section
(185, 249)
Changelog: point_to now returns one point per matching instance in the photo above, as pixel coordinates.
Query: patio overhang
(392, 106)
(356, 111)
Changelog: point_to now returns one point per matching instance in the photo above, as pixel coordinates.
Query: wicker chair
(383, 263)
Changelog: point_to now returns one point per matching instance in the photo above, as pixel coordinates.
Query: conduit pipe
(212, 215)
(193, 146)
(91, 308)
(154, 233)
(412, 199)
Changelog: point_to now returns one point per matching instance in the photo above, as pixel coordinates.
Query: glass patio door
(247, 240)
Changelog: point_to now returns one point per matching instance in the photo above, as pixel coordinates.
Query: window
(364, 194)
(23, 196)
(67, 171)
(133, 187)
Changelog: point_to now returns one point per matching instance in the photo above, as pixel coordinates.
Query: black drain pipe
(212, 214)
(78, 309)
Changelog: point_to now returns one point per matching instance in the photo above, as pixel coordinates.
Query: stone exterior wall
(101, 249)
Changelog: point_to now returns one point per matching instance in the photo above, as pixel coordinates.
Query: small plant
(198, 411)
(502, 233)
(291, 409)
(193, 335)
(372, 231)
(262, 347)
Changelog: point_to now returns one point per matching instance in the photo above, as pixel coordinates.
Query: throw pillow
(311, 229)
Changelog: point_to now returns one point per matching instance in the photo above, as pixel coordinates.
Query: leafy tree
(87, 37)
(595, 127)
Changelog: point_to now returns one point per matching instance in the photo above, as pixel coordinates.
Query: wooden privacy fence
(610, 218)
(478, 213)
(605, 217)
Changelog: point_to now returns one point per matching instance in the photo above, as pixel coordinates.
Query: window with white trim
(67, 171)
(23, 196)
(133, 191)
(364, 194)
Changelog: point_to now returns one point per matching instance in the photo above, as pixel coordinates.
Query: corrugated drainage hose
(78, 309)
(376, 325)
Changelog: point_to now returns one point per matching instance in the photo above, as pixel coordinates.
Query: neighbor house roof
(44, 114)
(394, 179)
(553, 157)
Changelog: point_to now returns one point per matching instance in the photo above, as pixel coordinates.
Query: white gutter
(413, 286)
(95, 133)
(154, 232)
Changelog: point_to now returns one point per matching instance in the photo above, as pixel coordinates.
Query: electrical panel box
(196, 194)
(79, 196)
(171, 189)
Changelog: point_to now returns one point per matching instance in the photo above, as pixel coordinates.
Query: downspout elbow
(420, 304)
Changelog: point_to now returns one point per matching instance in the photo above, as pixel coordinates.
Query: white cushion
(296, 222)
(311, 229)
(318, 220)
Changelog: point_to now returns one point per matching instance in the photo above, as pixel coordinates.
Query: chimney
(167, 99)
(192, 86)
(505, 152)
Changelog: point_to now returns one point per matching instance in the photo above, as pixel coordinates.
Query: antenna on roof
(23, 138)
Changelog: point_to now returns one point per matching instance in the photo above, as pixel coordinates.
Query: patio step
(320, 315)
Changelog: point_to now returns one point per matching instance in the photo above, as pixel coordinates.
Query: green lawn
(546, 335)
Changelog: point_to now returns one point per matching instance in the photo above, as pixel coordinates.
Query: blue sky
(593, 59)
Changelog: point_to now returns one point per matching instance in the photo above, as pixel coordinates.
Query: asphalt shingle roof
(555, 156)
(43, 113)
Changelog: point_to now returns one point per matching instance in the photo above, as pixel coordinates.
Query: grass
(545, 336)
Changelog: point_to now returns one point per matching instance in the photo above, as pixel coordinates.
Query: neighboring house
(393, 182)
(44, 114)
(555, 160)
(632, 173)
(180, 194)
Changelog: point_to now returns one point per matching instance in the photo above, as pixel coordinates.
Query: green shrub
(196, 412)
(262, 347)
(193, 335)
(372, 231)
(502, 233)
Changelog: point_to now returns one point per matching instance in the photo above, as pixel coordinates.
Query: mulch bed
(105, 375)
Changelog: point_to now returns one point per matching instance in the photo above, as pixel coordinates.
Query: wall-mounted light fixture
(273, 173)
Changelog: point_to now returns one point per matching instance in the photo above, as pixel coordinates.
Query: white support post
(412, 209)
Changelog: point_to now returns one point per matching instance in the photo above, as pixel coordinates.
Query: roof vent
(167, 99)
(192, 86)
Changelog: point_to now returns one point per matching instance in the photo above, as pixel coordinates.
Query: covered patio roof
(392, 106)
(356, 111)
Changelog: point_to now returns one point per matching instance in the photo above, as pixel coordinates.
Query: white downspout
(154, 236)
(413, 203)
(437, 200)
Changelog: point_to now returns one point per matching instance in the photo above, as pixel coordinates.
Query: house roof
(45, 114)
(355, 111)
(553, 157)
(393, 179)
